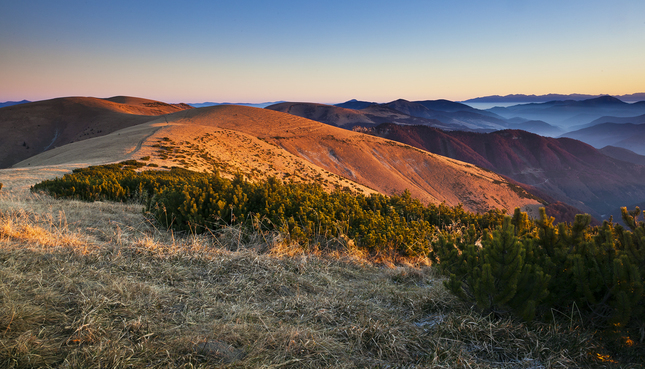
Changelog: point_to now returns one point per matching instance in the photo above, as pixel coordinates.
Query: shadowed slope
(31, 128)
(626, 135)
(566, 169)
(623, 154)
(442, 114)
(349, 118)
(570, 113)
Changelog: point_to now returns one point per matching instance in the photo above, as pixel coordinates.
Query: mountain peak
(604, 100)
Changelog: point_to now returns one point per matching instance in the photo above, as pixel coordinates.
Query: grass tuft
(98, 285)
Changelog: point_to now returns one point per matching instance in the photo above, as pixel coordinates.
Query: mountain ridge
(566, 169)
(522, 98)
(31, 128)
(237, 136)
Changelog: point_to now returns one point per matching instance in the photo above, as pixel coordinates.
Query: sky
(319, 51)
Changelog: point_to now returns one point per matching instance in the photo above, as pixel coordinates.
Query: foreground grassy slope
(98, 285)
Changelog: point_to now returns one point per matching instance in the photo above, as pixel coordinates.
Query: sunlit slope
(195, 147)
(261, 143)
(381, 164)
(30, 129)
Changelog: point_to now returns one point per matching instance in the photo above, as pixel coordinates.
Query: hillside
(379, 164)
(620, 120)
(265, 142)
(521, 98)
(349, 118)
(569, 113)
(32, 128)
(565, 169)
(626, 135)
(10, 103)
(442, 114)
(366, 114)
(538, 127)
(105, 284)
(98, 285)
(623, 154)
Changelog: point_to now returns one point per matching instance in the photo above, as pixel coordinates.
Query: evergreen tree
(500, 275)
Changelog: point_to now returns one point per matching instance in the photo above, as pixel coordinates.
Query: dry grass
(97, 285)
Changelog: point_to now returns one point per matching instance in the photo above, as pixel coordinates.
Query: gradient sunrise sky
(322, 51)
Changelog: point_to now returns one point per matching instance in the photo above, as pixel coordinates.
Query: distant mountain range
(569, 113)
(442, 114)
(626, 135)
(623, 154)
(11, 103)
(565, 169)
(371, 115)
(259, 105)
(519, 98)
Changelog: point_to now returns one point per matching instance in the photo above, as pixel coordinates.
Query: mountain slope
(520, 98)
(11, 103)
(607, 119)
(538, 127)
(627, 135)
(348, 118)
(355, 104)
(31, 128)
(623, 154)
(570, 113)
(372, 162)
(399, 112)
(457, 115)
(565, 169)
(328, 114)
(442, 114)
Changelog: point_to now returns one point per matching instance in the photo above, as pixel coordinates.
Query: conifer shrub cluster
(503, 264)
(531, 268)
(195, 202)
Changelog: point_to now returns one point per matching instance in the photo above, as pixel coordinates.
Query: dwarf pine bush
(502, 264)
(531, 269)
(195, 202)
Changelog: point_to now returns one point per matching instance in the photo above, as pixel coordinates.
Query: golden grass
(97, 285)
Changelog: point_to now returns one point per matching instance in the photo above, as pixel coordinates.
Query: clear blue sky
(323, 51)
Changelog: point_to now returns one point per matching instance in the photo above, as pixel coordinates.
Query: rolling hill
(619, 120)
(521, 98)
(538, 127)
(261, 142)
(32, 128)
(565, 169)
(568, 113)
(442, 114)
(348, 118)
(626, 135)
(11, 103)
(623, 154)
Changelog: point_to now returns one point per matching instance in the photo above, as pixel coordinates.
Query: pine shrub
(528, 268)
(305, 212)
